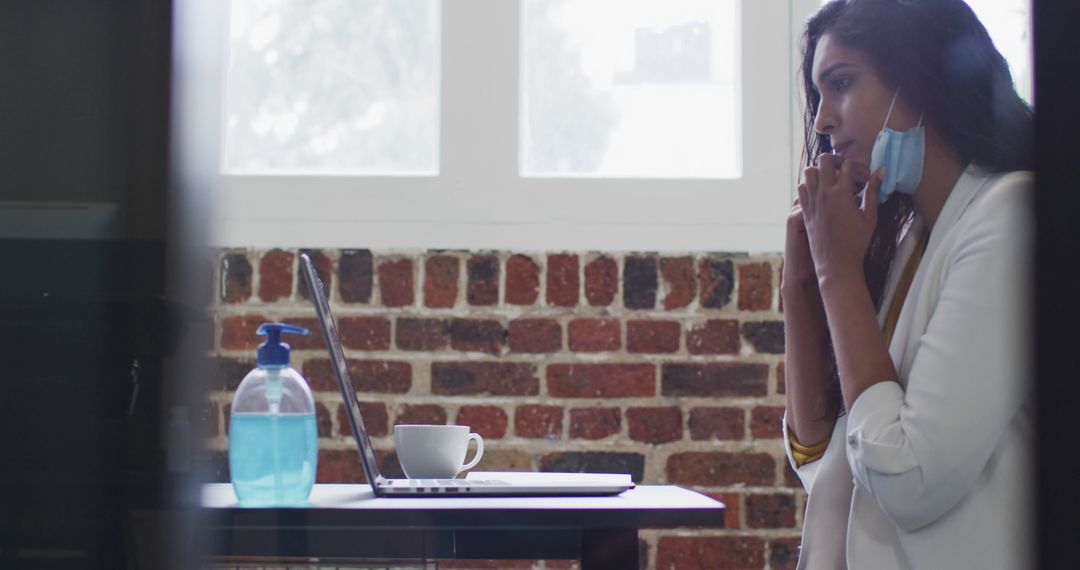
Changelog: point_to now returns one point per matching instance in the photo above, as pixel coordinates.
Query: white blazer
(936, 471)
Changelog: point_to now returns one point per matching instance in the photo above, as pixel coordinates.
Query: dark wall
(84, 100)
(84, 105)
(1057, 278)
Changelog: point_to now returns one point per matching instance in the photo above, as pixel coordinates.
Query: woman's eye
(841, 84)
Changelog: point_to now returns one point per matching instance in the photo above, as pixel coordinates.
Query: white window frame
(479, 200)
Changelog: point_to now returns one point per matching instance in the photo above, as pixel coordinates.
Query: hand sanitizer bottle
(273, 437)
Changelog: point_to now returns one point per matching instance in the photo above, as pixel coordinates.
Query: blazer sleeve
(919, 449)
(809, 471)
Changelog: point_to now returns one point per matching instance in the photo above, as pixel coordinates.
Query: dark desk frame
(346, 522)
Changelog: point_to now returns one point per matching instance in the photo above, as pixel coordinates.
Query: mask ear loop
(889, 113)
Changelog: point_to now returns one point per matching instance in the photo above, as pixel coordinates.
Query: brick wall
(669, 367)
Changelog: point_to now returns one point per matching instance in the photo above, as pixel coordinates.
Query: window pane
(633, 88)
(333, 86)
(1007, 23)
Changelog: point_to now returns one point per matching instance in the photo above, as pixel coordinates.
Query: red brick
(653, 337)
(594, 335)
(601, 380)
(594, 423)
(477, 335)
(538, 422)
(717, 423)
(381, 376)
(772, 510)
(765, 422)
(681, 285)
(717, 278)
(362, 333)
(782, 553)
(422, 334)
(322, 420)
(522, 280)
(238, 332)
(755, 287)
(601, 281)
(594, 462)
(375, 415)
(710, 552)
(422, 414)
(396, 282)
(275, 275)
(563, 282)
(324, 269)
(562, 564)
(236, 278)
(441, 281)
(721, 469)
(339, 466)
(387, 376)
(355, 275)
(639, 282)
(766, 336)
(488, 421)
(731, 508)
(780, 382)
(475, 378)
(714, 379)
(483, 287)
(655, 424)
(503, 460)
(535, 335)
(715, 336)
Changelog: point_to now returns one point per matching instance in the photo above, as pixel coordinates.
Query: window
(528, 124)
(1007, 23)
(333, 86)
(630, 89)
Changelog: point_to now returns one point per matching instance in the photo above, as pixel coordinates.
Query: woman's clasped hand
(839, 227)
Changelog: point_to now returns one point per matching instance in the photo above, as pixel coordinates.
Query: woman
(908, 417)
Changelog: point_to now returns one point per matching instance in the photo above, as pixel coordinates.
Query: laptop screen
(340, 368)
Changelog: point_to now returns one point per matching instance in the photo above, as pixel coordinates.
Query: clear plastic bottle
(273, 435)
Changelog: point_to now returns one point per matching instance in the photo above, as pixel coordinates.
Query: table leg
(609, 549)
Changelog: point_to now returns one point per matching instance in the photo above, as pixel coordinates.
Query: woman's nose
(825, 120)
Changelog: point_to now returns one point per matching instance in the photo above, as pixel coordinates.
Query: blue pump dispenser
(273, 436)
(273, 352)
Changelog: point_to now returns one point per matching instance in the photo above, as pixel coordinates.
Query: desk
(349, 522)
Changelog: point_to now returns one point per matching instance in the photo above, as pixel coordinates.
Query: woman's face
(854, 101)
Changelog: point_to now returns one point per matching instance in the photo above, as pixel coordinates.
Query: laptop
(491, 483)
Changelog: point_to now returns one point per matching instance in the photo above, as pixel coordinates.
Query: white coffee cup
(435, 452)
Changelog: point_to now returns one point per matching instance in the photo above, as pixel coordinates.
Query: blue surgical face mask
(901, 153)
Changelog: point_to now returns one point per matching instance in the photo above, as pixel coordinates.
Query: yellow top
(902, 288)
(805, 454)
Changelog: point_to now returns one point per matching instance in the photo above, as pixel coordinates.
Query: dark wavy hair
(942, 58)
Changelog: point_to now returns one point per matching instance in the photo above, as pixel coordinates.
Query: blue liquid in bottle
(272, 457)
